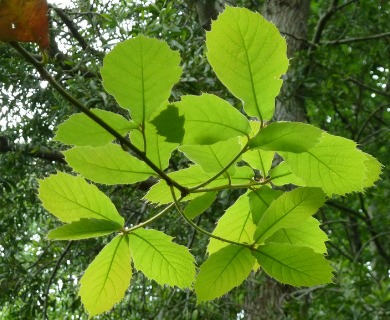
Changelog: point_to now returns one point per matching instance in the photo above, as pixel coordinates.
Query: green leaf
(193, 176)
(157, 149)
(290, 210)
(294, 265)
(199, 205)
(108, 164)
(191, 122)
(72, 198)
(214, 157)
(107, 278)
(140, 73)
(260, 200)
(222, 271)
(160, 259)
(84, 229)
(309, 234)
(373, 170)
(286, 136)
(260, 160)
(80, 130)
(281, 175)
(334, 164)
(249, 55)
(236, 224)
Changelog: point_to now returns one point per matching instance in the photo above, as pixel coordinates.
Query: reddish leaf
(24, 21)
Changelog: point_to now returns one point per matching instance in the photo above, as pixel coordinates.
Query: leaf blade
(140, 73)
(249, 70)
(160, 259)
(294, 265)
(107, 278)
(71, 198)
(190, 122)
(290, 210)
(236, 224)
(80, 130)
(107, 164)
(84, 229)
(222, 271)
(286, 136)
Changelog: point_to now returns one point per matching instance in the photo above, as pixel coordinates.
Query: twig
(363, 85)
(368, 119)
(53, 274)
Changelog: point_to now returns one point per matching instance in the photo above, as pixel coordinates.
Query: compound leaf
(160, 259)
(80, 130)
(108, 164)
(72, 198)
(249, 55)
(84, 229)
(222, 271)
(290, 210)
(107, 278)
(140, 73)
(294, 265)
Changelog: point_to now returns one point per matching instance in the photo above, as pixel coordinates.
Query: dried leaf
(24, 21)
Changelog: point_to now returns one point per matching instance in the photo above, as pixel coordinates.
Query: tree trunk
(291, 17)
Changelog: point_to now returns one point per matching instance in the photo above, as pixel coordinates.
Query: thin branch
(53, 274)
(244, 149)
(157, 216)
(368, 119)
(76, 34)
(345, 209)
(298, 39)
(333, 8)
(357, 39)
(123, 140)
(363, 85)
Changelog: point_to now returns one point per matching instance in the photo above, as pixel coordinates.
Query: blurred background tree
(338, 80)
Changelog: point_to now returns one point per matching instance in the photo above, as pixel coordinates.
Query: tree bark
(291, 17)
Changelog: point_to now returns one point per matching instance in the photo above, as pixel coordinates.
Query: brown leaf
(24, 21)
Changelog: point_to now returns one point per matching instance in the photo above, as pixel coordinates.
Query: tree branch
(74, 31)
(43, 153)
(357, 39)
(81, 107)
(333, 8)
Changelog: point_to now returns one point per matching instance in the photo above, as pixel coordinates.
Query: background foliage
(345, 88)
